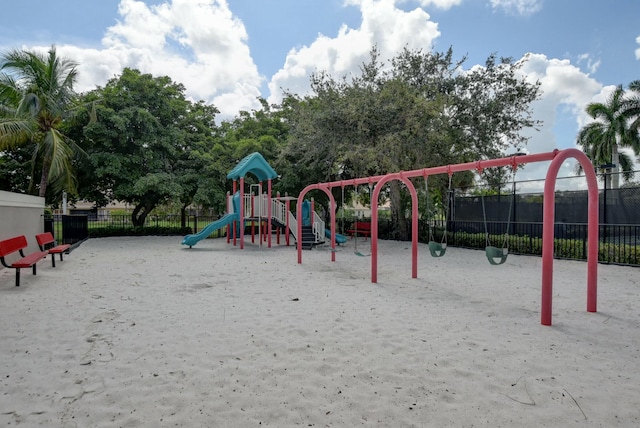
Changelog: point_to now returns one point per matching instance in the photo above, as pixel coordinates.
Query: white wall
(21, 215)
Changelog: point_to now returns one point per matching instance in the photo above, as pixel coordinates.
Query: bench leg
(53, 259)
(17, 277)
(34, 268)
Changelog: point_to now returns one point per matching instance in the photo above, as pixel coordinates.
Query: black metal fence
(618, 242)
(75, 228)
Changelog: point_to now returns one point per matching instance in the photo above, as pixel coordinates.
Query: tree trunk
(44, 178)
(183, 216)
(615, 179)
(399, 220)
(139, 216)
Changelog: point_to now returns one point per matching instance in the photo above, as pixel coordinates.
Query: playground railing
(318, 227)
(279, 211)
(293, 225)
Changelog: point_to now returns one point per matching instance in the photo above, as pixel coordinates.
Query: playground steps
(308, 238)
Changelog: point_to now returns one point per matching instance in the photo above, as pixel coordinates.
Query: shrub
(138, 231)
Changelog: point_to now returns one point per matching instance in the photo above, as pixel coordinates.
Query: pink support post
(374, 223)
(235, 228)
(332, 205)
(241, 237)
(326, 189)
(288, 205)
(548, 232)
(229, 208)
(269, 213)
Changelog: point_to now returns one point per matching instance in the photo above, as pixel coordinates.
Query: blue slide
(192, 240)
(340, 239)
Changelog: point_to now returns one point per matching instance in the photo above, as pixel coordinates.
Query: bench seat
(17, 244)
(361, 228)
(45, 240)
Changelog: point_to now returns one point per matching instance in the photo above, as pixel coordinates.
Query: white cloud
(383, 25)
(520, 7)
(638, 50)
(198, 43)
(202, 45)
(565, 89)
(592, 64)
(440, 4)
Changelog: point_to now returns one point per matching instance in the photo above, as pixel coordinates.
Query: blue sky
(230, 52)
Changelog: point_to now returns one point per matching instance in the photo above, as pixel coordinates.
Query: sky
(230, 52)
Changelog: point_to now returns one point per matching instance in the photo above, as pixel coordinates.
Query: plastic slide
(193, 239)
(340, 239)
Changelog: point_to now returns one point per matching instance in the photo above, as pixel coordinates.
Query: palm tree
(615, 126)
(36, 96)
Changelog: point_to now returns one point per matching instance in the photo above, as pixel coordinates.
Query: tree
(201, 151)
(615, 126)
(36, 97)
(15, 169)
(420, 111)
(140, 148)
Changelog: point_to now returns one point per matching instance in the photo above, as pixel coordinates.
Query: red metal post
(288, 205)
(374, 223)
(546, 310)
(241, 237)
(229, 208)
(235, 227)
(269, 213)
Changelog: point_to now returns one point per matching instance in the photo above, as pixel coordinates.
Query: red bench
(16, 245)
(47, 243)
(362, 228)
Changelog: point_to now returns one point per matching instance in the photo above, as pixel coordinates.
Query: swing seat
(437, 249)
(495, 255)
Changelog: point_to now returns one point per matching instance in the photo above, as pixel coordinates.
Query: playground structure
(264, 211)
(557, 157)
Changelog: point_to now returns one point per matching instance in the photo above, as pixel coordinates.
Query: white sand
(131, 332)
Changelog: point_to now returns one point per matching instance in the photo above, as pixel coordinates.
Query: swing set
(556, 159)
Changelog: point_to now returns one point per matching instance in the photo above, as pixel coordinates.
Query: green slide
(192, 240)
(340, 239)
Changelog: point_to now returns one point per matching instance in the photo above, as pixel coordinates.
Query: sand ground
(142, 332)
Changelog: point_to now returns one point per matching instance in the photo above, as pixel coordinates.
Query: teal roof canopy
(254, 164)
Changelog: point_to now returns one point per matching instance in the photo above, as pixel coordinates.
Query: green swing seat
(437, 249)
(495, 255)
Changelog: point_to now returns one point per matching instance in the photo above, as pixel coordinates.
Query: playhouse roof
(254, 164)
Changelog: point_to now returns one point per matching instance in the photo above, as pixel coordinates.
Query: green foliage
(15, 169)
(104, 232)
(36, 99)
(419, 112)
(571, 249)
(615, 126)
(148, 146)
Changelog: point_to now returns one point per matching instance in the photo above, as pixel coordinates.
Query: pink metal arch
(548, 232)
(326, 189)
(374, 224)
